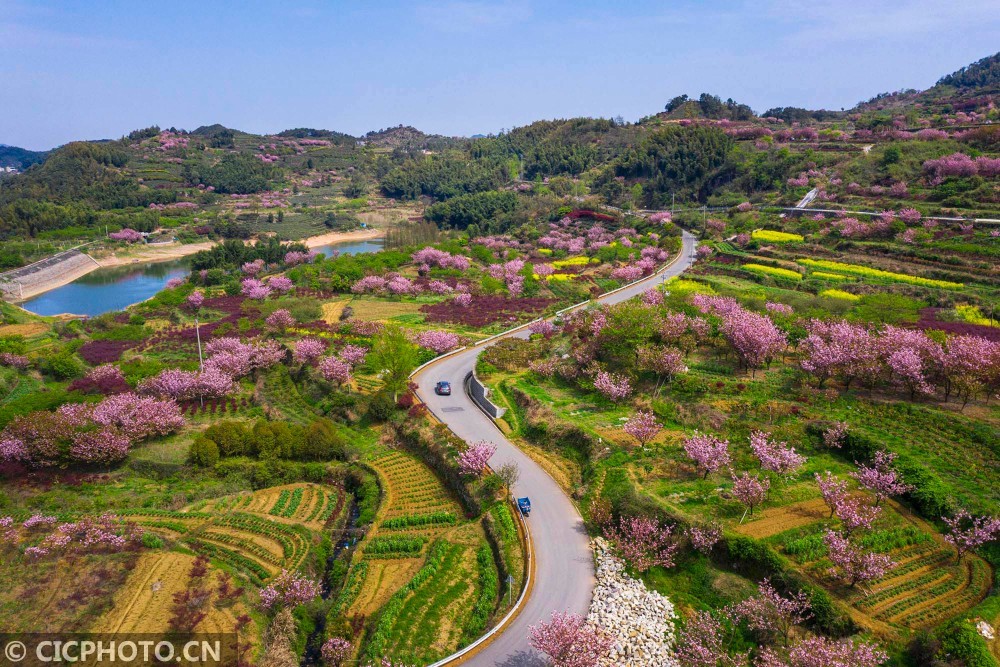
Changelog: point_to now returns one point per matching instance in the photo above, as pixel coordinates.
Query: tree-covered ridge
(20, 158)
(983, 73)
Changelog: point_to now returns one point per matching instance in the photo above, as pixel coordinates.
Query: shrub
(203, 452)
(381, 407)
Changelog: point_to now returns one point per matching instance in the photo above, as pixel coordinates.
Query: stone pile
(640, 621)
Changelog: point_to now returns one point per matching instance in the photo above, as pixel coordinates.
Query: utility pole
(672, 203)
(510, 589)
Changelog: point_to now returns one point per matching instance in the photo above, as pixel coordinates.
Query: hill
(20, 158)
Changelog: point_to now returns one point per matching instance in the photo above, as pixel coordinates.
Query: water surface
(117, 288)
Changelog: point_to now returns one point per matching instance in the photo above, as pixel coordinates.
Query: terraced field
(277, 392)
(419, 574)
(143, 604)
(925, 588)
(255, 534)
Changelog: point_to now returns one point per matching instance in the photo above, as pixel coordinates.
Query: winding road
(564, 566)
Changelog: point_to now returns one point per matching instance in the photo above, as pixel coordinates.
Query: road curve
(564, 566)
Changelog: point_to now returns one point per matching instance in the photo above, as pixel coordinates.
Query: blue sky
(98, 69)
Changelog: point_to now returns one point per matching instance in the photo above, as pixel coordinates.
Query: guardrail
(528, 570)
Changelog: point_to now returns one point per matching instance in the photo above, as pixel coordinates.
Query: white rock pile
(640, 621)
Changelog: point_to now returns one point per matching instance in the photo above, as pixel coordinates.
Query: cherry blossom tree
(643, 427)
(708, 452)
(775, 456)
(353, 354)
(966, 532)
(824, 652)
(840, 349)
(335, 652)
(476, 456)
(768, 613)
(437, 341)
(754, 337)
(750, 491)
(281, 284)
(704, 538)
(307, 350)
(612, 385)
(195, 299)
(881, 478)
(17, 361)
(126, 234)
(543, 328)
(702, 643)
(280, 320)
(643, 542)
(833, 490)
(255, 289)
(856, 514)
(853, 563)
(665, 362)
(288, 589)
(369, 285)
(253, 268)
(335, 370)
(835, 435)
(569, 641)
(652, 297)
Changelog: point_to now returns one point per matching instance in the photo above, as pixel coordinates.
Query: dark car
(443, 388)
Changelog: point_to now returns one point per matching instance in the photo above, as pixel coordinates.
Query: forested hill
(696, 151)
(981, 74)
(20, 158)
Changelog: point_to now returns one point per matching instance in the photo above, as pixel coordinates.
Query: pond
(117, 288)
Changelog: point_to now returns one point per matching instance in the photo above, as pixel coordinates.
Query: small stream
(349, 537)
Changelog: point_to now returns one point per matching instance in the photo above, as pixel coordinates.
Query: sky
(74, 70)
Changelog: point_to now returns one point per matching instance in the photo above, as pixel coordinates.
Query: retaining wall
(480, 394)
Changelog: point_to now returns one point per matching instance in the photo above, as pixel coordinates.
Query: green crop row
(352, 587)
(382, 630)
(243, 545)
(412, 520)
(258, 573)
(395, 544)
(279, 505)
(486, 602)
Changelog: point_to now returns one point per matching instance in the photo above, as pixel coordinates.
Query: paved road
(564, 567)
(808, 198)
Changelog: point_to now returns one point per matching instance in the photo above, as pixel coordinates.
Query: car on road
(524, 504)
(443, 388)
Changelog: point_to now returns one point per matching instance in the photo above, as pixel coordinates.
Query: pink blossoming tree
(569, 641)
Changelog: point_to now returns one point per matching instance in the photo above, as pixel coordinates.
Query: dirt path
(341, 237)
(153, 253)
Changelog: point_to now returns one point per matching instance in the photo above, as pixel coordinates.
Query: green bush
(381, 407)
(203, 452)
(960, 641)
